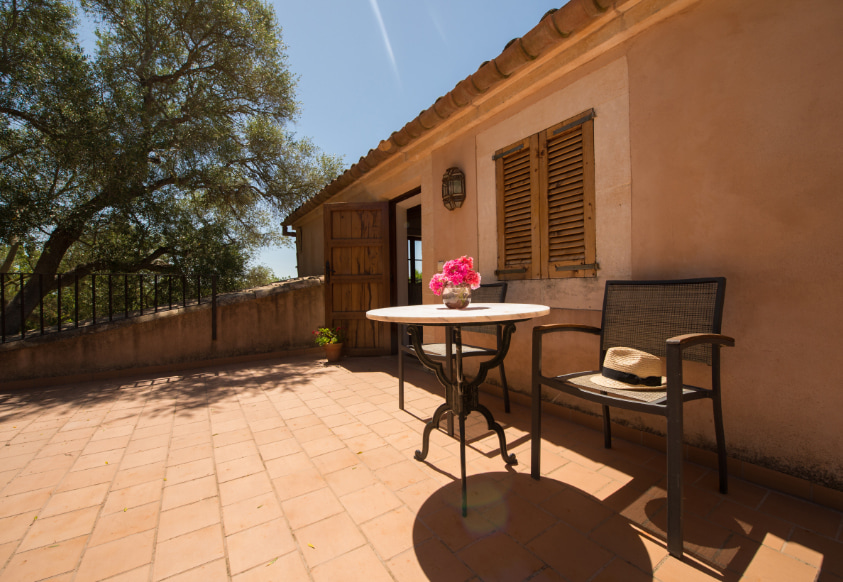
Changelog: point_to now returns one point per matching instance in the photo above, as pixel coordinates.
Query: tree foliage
(168, 150)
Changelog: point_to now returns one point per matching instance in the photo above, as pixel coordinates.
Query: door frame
(393, 291)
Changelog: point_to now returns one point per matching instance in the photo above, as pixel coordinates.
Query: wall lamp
(453, 188)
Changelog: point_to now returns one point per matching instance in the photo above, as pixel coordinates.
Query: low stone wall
(259, 322)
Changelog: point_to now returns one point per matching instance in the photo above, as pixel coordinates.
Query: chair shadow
(721, 549)
(512, 531)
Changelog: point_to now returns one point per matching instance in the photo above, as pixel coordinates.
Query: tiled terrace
(294, 470)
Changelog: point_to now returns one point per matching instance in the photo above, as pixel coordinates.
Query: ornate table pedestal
(461, 395)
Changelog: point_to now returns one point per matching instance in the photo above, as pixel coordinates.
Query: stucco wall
(311, 242)
(736, 121)
(269, 319)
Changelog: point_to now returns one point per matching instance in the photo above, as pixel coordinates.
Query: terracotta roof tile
(445, 106)
(400, 138)
(463, 93)
(429, 118)
(388, 146)
(540, 38)
(554, 27)
(512, 58)
(575, 15)
(415, 128)
(486, 77)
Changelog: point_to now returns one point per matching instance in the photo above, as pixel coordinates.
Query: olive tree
(169, 149)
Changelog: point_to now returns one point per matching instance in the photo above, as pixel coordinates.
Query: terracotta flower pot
(333, 352)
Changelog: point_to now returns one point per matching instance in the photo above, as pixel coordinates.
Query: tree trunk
(61, 239)
(48, 265)
(10, 258)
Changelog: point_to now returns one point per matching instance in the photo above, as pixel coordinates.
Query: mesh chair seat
(582, 381)
(439, 350)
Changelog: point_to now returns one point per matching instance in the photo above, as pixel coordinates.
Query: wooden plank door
(357, 273)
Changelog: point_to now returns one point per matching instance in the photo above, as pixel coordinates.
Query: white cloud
(376, 9)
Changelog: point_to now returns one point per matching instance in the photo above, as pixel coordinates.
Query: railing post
(184, 290)
(213, 307)
(140, 291)
(93, 299)
(170, 285)
(41, 301)
(2, 307)
(75, 300)
(110, 297)
(58, 303)
(198, 289)
(22, 311)
(126, 296)
(155, 291)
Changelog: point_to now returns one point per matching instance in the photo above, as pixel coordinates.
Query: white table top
(476, 313)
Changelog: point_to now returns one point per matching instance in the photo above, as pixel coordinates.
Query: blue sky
(367, 67)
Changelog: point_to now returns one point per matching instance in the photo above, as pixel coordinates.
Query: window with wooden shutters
(517, 183)
(545, 187)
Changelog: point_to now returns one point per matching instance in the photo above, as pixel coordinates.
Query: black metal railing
(70, 301)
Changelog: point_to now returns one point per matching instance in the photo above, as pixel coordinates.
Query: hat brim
(602, 380)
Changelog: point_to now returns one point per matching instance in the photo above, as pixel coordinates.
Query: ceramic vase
(456, 296)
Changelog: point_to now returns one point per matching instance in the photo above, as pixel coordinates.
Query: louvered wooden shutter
(517, 179)
(567, 201)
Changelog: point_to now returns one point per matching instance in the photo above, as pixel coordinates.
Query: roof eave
(554, 28)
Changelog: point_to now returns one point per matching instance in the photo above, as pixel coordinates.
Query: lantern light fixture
(453, 188)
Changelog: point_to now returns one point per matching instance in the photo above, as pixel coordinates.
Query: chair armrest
(692, 339)
(675, 345)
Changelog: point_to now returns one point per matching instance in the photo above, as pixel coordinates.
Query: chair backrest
(644, 314)
(487, 293)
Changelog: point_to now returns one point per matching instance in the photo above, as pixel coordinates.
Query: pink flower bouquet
(456, 272)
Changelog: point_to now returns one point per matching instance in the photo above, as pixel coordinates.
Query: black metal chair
(487, 293)
(676, 320)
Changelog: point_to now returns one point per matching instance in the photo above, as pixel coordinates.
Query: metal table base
(461, 396)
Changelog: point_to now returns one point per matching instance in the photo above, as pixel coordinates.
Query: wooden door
(357, 273)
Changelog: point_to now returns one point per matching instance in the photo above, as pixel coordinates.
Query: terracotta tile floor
(295, 470)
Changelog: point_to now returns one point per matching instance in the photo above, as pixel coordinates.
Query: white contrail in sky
(437, 22)
(376, 9)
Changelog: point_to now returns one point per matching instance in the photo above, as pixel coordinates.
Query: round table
(461, 396)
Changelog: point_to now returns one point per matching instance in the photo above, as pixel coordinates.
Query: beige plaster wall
(280, 317)
(736, 117)
(451, 233)
(311, 241)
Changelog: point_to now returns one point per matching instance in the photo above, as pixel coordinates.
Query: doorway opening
(406, 252)
(414, 256)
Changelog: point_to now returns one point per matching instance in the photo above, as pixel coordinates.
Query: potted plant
(455, 282)
(331, 339)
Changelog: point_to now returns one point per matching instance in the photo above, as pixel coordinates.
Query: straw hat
(630, 368)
